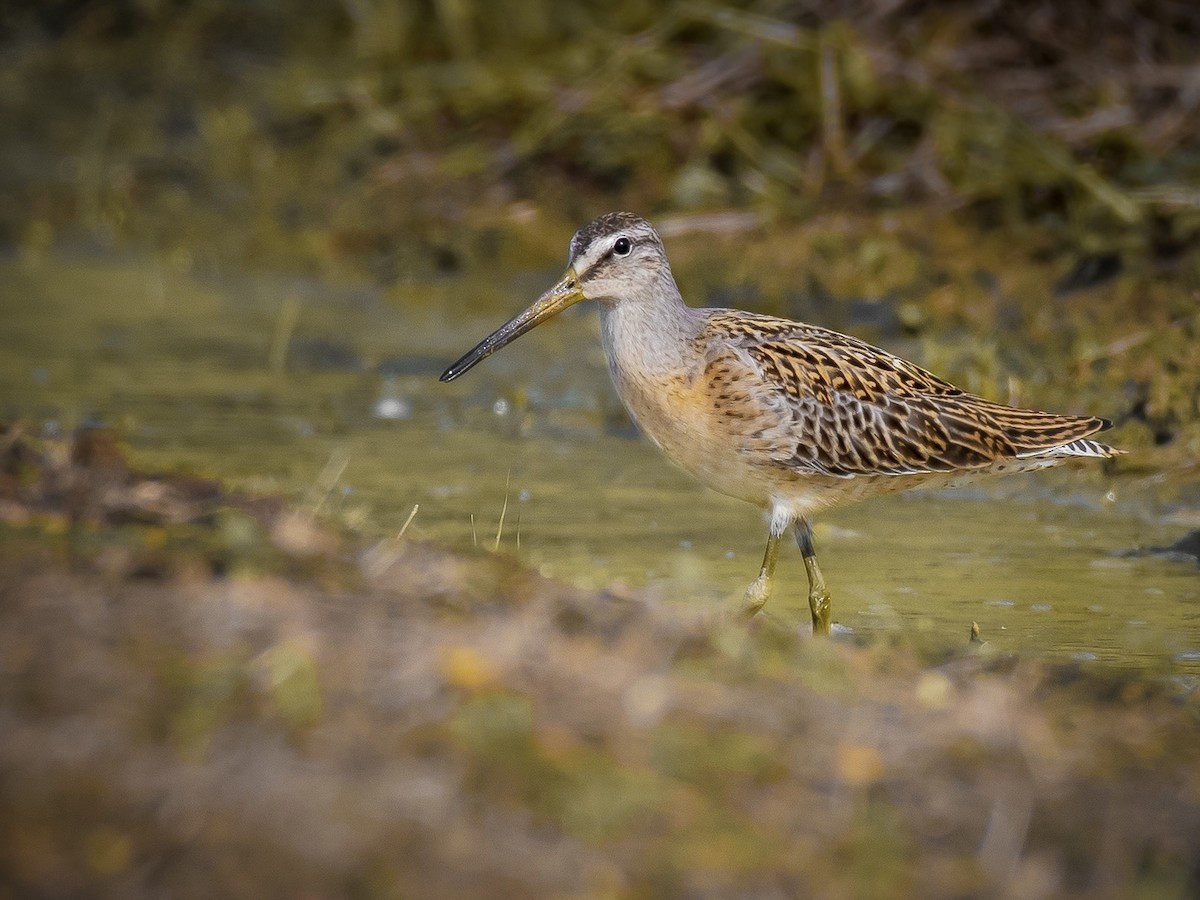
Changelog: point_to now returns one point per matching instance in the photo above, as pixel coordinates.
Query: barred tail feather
(1080, 447)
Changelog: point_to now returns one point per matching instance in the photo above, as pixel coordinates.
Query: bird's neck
(650, 333)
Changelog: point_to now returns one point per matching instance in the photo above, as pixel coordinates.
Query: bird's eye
(622, 246)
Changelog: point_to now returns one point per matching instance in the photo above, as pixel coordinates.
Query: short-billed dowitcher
(791, 417)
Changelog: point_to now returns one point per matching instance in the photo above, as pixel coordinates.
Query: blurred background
(240, 239)
(893, 167)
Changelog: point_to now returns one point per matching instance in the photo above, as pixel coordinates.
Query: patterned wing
(821, 402)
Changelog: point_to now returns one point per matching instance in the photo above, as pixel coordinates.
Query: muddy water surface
(329, 393)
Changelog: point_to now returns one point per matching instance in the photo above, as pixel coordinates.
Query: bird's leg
(818, 594)
(760, 587)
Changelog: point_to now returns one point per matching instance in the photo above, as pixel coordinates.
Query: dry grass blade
(326, 481)
(503, 511)
(412, 515)
(281, 338)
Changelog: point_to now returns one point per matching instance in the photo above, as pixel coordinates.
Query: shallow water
(330, 395)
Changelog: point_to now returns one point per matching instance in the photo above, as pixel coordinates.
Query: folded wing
(820, 402)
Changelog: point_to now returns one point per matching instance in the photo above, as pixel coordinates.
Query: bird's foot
(756, 596)
(822, 610)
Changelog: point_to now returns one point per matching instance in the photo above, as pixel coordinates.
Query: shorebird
(791, 417)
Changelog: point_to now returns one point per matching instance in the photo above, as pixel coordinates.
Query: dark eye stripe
(600, 266)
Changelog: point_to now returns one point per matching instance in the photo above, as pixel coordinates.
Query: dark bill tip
(558, 298)
(453, 371)
(506, 333)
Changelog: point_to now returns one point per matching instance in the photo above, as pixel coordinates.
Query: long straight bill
(565, 293)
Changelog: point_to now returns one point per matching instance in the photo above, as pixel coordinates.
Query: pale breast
(679, 413)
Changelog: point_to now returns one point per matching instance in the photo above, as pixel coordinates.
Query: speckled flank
(818, 402)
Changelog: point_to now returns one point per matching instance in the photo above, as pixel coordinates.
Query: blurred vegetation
(907, 151)
(200, 708)
(1076, 116)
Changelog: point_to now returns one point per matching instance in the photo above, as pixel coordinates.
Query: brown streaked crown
(609, 225)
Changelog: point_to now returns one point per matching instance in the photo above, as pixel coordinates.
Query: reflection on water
(266, 381)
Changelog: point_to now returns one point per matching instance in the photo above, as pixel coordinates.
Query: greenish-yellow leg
(760, 588)
(818, 594)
